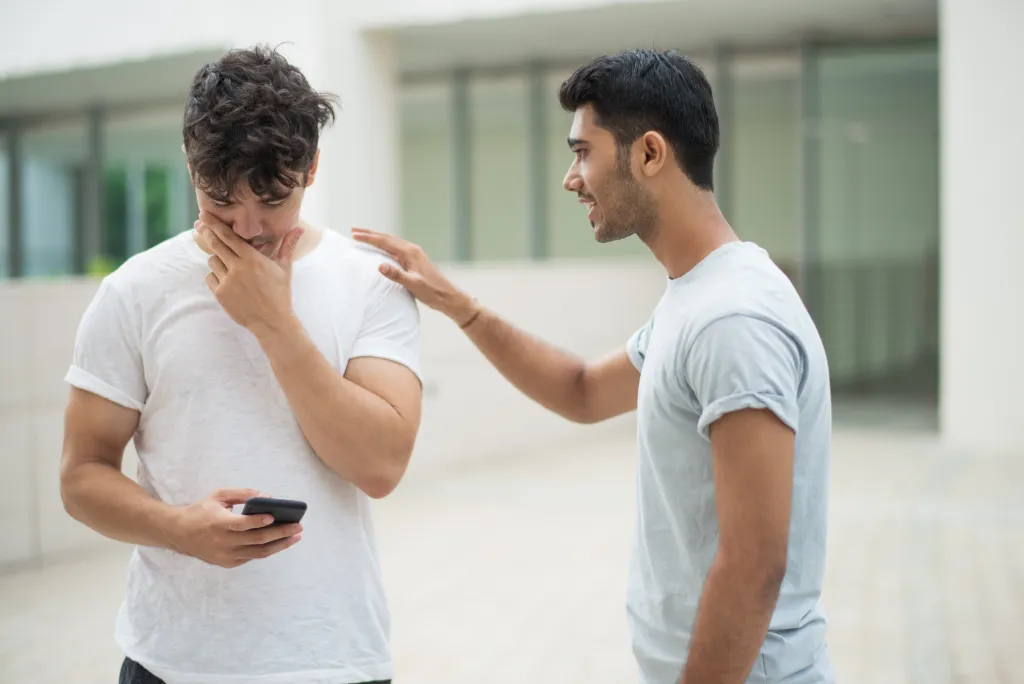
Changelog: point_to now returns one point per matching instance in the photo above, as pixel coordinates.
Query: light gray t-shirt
(730, 334)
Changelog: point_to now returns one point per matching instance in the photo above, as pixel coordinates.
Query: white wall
(51, 35)
(470, 413)
(982, 107)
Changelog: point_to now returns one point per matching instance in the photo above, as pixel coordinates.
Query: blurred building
(901, 233)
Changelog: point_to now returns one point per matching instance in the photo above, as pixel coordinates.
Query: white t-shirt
(213, 416)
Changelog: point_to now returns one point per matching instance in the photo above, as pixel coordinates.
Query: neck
(311, 237)
(690, 227)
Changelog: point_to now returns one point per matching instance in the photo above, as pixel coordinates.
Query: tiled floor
(515, 572)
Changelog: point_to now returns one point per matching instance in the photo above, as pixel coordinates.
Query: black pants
(133, 673)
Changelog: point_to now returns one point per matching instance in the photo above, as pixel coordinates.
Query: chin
(602, 235)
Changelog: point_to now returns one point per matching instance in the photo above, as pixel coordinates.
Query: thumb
(392, 272)
(231, 497)
(287, 252)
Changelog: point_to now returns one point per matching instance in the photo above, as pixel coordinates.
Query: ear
(655, 152)
(311, 176)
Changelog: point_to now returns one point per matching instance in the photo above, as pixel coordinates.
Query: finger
(247, 523)
(395, 246)
(212, 282)
(286, 254)
(217, 244)
(395, 273)
(217, 266)
(233, 496)
(264, 550)
(224, 232)
(267, 535)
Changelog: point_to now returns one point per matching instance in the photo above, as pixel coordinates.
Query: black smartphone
(284, 511)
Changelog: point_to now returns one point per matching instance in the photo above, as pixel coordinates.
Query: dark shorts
(133, 673)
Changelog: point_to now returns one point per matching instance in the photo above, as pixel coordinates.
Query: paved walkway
(515, 572)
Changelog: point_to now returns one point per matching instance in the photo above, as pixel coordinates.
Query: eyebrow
(573, 142)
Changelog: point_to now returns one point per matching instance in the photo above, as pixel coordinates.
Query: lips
(589, 203)
(591, 206)
(263, 245)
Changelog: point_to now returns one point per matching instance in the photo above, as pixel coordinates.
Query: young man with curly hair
(253, 354)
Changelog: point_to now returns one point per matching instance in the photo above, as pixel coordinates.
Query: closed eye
(276, 201)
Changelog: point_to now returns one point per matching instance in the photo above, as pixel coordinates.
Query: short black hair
(252, 116)
(637, 91)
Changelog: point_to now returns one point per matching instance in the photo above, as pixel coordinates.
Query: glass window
(146, 182)
(879, 218)
(762, 156)
(499, 227)
(53, 183)
(426, 167)
(4, 207)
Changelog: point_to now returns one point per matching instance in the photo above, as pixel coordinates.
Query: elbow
(768, 575)
(583, 417)
(773, 573)
(385, 479)
(68, 490)
(762, 571)
(378, 487)
(579, 409)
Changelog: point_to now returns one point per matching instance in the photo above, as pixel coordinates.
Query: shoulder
(167, 266)
(746, 286)
(355, 259)
(744, 301)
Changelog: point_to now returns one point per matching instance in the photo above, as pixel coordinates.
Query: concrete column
(358, 179)
(982, 279)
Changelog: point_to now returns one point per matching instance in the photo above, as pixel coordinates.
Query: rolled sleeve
(636, 347)
(106, 359)
(391, 327)
(742, 362)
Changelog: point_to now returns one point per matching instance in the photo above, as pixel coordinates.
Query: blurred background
(871, 146)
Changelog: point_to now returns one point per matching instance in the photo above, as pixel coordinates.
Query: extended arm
(561, 382)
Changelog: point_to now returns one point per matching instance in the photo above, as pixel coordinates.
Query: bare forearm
(550, 376)
(104, 499)
(732, 621)
(353, 431)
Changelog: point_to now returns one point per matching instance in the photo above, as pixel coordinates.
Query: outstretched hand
(418, 274)
(255, 290)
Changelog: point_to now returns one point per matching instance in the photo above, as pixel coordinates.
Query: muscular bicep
(392, 382)
(610, 387)
(96, 430)
(752, 453)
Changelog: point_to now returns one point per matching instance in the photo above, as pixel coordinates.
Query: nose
(572, 181)
(246, 226)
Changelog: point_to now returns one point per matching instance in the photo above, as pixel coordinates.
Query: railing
(879, 320)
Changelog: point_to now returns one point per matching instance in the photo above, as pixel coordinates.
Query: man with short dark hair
(729, 379)
(253, 354)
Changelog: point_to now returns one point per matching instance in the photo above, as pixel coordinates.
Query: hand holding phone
(284, 511)
(210, 531)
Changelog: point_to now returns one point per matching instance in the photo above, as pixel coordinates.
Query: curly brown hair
(253, 116)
